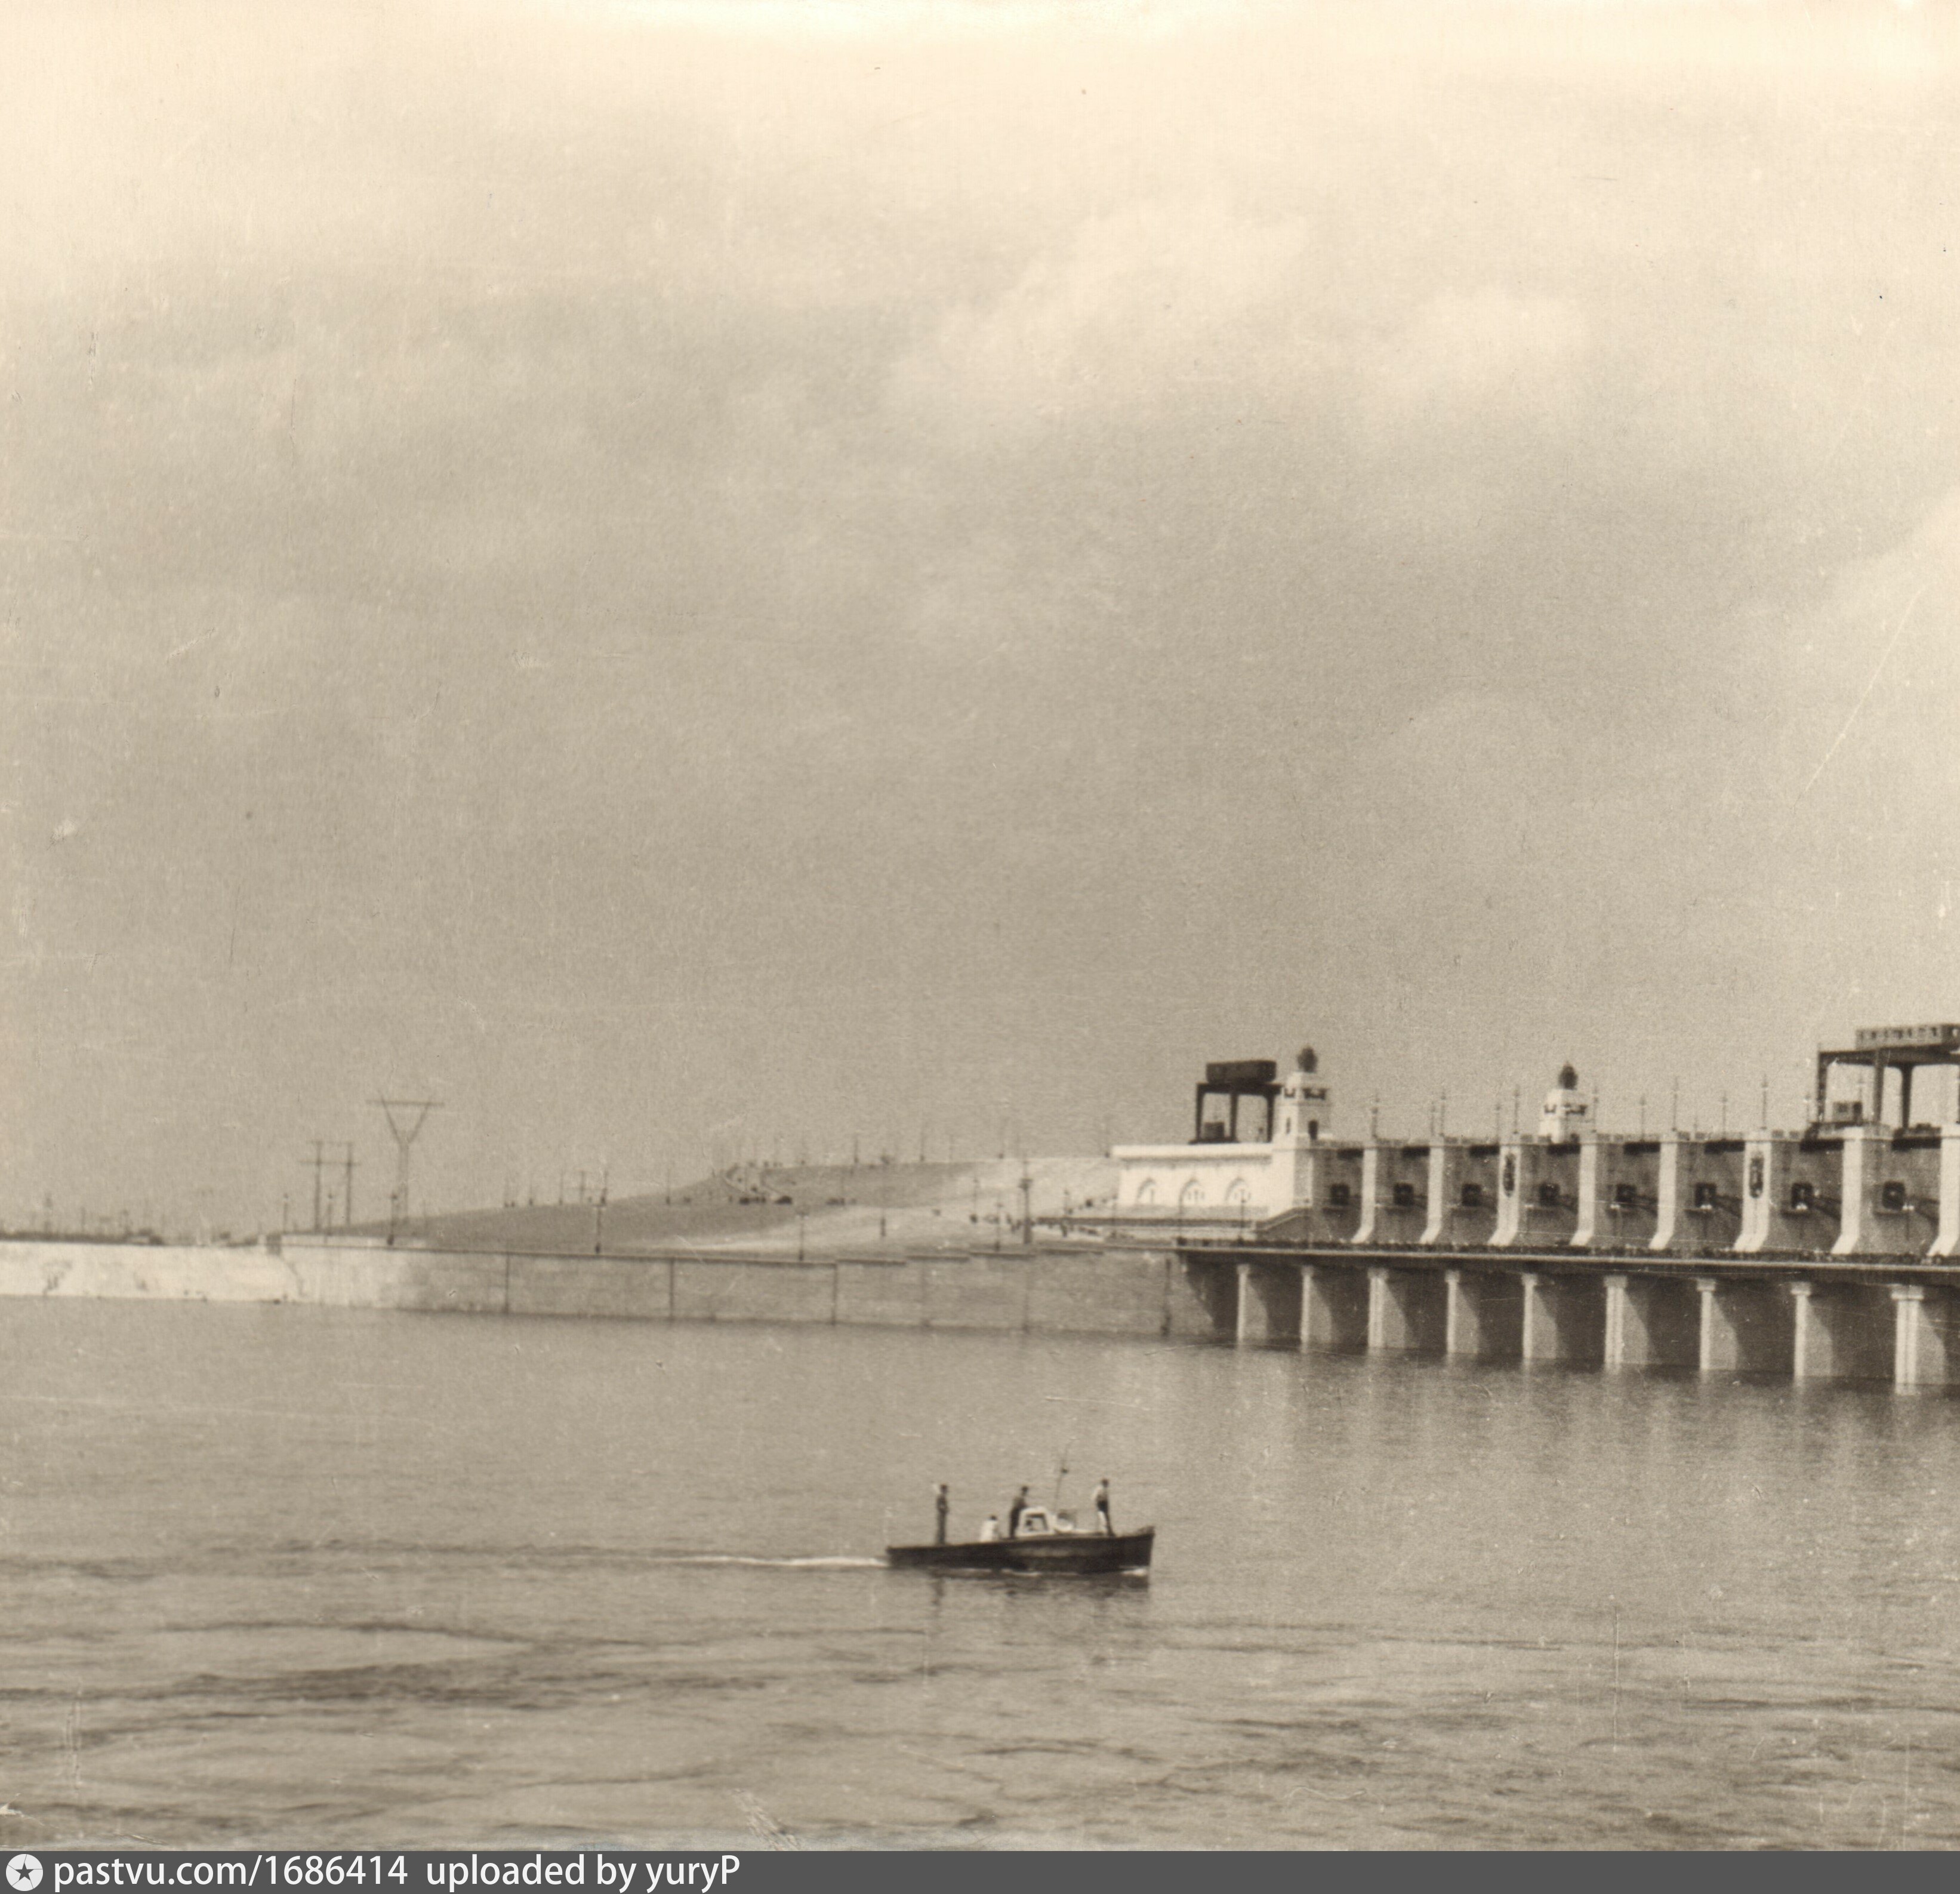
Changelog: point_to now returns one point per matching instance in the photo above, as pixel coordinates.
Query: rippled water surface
(300, 1575)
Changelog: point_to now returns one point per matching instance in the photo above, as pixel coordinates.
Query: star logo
(23, 1874)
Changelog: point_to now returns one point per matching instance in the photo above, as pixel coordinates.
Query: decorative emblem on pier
(1756, 1175)
(1510, 1175)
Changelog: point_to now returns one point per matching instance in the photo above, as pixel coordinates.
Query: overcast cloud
(689, 576)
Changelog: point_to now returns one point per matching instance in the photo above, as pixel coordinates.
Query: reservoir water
(310, 1577)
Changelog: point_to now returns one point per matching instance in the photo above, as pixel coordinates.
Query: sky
(707, 581)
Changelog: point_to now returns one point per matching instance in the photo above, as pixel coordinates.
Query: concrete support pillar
(1946, 1241)
(1923, 1336)
(1334, 1313)
(1439, 1181)
(1407, 1310)
(1842, 1332)
(1483, 1315)
(1614, 1348)
(1806, 1352)
(1667, 1200)
(1371, 1192)
(1651, 1322)
(1510, 1195)
(1706, 1288)
(1762, 1176)
(1585, 1231)
(1747, 1328)
(1854, 1233)
(1269, 1304)
(1564, 1319)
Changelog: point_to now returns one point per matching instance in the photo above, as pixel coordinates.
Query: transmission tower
(405, 1129)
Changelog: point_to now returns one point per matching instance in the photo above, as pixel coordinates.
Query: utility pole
(1027, 1210)
(318, 1161)
(406, 1130)
(347, 1195)
(598, 1216)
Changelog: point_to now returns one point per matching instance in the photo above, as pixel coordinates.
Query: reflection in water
(300, 1574)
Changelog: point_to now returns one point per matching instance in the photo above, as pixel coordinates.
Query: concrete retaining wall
(138, 1270)
(1090, 1292)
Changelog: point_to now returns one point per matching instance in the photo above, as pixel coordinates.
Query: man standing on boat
(1014, 1513)
(939, 1501)
(1103, 1524)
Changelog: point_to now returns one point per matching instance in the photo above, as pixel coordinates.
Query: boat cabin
(1037, 1522)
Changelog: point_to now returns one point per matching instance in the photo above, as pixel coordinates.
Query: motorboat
(1047, 1543)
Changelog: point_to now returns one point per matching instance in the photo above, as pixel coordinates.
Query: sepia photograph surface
(979, 924)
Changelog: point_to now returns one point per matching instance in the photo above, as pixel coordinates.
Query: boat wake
(828, 1562)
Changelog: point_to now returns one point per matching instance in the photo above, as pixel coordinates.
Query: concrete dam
(1827, 1253)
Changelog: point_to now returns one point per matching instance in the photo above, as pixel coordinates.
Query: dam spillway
(1824, 1252)
(1849, 1321)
